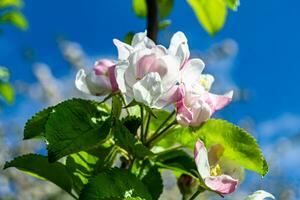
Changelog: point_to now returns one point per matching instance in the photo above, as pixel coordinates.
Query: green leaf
(132, 123)
(210, 13)
(233, 4)
(9, 3)
(140, 8)
(75, 125)
(16, 18)
(86, 164)
(127, 141)
(117, 184)
(238, 145)
(35, 127)
(177, 160)
(164, 24)
(153, 181)
(165, 7)
(7, 92)
(128, 37)
(39, 167)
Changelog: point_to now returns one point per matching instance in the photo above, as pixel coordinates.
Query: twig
(152, 19)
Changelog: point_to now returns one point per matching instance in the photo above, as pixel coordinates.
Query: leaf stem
(142, 125)
(147, 127)
(164, 122)
(156, 137)
(195, 195)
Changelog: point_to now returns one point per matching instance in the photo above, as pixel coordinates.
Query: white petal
(140, 41)
(201, 159)
(179, 47)
(177, 39)
(148, 89)
(119, 73)
(192, 71)
(124, 50)
(260, 195)
(80, 82)
(172, 77)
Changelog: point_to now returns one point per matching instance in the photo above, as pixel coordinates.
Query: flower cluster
(157, 76)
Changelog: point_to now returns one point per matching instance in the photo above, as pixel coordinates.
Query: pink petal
(223, 184)
(183, 116)
(173, 95)
(101, 66)
(217, 102)
(112, 78)
(201, 159)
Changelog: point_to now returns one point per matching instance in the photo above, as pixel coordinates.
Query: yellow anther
(215, 171)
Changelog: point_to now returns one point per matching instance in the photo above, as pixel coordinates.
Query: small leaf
(128, 37)
(7, 92)
(9, 3)
(210, 13)
(117, 184)
(132, 123)
(35, 127)
(127, 141)
(165, 7)
(153, 181)
(238, 145)
(164, 24)
(39, 167)
(16, 18)
(233, 4)
(75, 125)
(177, 160)
(140, 8)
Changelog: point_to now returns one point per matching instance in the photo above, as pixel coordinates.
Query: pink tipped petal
(217, 102)
(112, 78)
(223, 184)
(124, 49)
(175, 94)
(183, 116)
(201, 159)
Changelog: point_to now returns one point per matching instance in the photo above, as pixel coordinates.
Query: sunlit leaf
(210, 13)
(16, 18)
(139, 8)
(7, 92)
(39, 167)
(4, 74)
(238, 145)
(117, 184)
(9, 3)
(75, 125)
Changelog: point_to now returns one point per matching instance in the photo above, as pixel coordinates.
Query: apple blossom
(149, 73)
(100, 80)
(222, 184)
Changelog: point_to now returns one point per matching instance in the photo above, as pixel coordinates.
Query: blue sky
(267, 64)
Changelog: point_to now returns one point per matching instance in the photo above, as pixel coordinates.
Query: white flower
(150, 73)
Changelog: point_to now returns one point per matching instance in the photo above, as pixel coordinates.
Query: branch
(152, 19)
